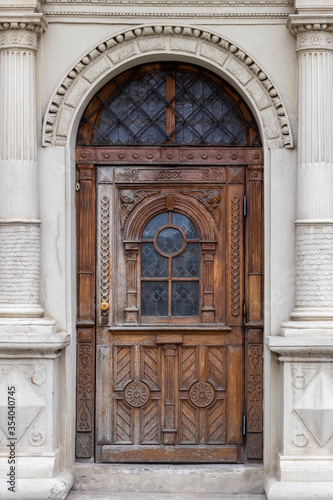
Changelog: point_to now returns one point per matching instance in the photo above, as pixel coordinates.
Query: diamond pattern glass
(153, 225)
(135, 113)
(133, 108)
(153, 265)
(185, 298)
(170, 241)
(186, 225)
(154, 298)
(186, 265)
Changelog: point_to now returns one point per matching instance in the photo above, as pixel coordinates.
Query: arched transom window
(168, 104)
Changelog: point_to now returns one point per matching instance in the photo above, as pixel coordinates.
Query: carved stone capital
(21, 31)
(312, 32)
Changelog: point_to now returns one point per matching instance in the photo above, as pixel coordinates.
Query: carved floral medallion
(202, 394)
(137, 394)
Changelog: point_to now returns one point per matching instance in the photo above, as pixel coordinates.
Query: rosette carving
(137, 394)
(202, 394)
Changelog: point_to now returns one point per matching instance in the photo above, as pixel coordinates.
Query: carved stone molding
(187, 3)
(179, 15)
(312, 32)
(35, 23)
(182, 41)
(314, 266)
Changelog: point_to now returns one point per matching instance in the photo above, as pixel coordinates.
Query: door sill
(167, 479)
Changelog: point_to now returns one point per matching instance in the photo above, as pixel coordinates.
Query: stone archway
(145, 43)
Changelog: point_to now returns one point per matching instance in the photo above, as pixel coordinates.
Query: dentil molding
(173, 3)
(170, 40)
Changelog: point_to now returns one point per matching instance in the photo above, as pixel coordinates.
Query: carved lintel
(129, 199)
(210, 199)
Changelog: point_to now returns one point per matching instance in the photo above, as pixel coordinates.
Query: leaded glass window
(168, 104)
(170, 267)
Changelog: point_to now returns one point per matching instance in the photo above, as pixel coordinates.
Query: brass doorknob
(104, 306)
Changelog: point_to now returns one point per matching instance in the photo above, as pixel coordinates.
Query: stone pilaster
(314, 224)
(19, 224)
(30, 346)
(305, 346)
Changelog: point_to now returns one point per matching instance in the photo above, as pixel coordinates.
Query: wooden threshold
(169, 454)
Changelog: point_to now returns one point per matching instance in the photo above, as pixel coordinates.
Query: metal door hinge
(77, 186)
(244, 425)
(244, 206)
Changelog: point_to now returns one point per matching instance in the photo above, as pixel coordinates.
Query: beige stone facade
(54, 56)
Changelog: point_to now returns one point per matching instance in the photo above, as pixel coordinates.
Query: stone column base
(55, 488)
(277, 490)
(30, 457)
(305, 460)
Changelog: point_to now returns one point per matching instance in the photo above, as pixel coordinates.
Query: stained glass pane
(186, 225)
(154, 298)
(132, 110)
(186, 265)
(170, 241)
(206, 115)
(185, 298)
(153, 265)
(135, 113)
(153, 225)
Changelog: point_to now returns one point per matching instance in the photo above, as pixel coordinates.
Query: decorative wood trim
(86, 279)
(130, 199)
(159, 155)
(235, 255)
(210, 199)
(104, 255)
(132, 310)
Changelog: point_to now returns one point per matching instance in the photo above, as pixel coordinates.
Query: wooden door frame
(88, 159)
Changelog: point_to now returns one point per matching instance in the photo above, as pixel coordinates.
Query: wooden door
(169, 211)
(171, 346)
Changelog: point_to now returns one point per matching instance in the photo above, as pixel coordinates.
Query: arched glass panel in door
(168, 104)
(170, 267)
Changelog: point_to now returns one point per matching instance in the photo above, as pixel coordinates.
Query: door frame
(88, 159)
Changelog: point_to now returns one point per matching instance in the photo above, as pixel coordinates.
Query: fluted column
(19, 224)
(314, 224)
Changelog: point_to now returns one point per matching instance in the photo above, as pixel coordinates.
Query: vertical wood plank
(103, 396)
(235, 394)
(254, 243)
(86, 276)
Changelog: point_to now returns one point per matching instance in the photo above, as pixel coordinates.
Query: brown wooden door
(169, 359)
(171, 344)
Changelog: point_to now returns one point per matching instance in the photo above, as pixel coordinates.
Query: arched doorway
(169, 206)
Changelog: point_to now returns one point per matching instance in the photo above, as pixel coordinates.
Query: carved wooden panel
(173, 394)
